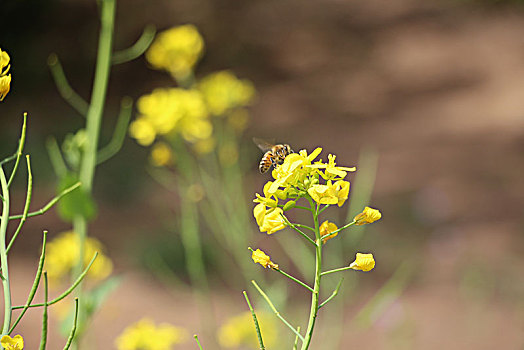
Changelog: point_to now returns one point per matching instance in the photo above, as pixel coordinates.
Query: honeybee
(274, 154)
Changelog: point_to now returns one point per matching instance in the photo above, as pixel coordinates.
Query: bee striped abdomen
(266, 162)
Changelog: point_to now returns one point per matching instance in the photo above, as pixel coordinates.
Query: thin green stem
(49, 205)
(43, 340)
(316, 287)
(264, 295)
(26, 206)
(73, 330)
(65, 90)
(334, 294)
(295, 346)
(55, 155)
(305, 226)
(295, 279)
(294, 227)
(335, 270)
(119, 133)
(138, 48)
(36, 282)
(198, 342)
(338, 230)
(3, 253)
(322, 210)
(19, 151)
(68, 291)
(257, 328)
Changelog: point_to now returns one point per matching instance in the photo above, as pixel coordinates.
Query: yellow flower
(15, 343)
(332, 171)
(269, 199)
(368, 216)
(176, 50)
(263, 259)
(161, 154)
(224, 91)
(294, 171)
(240, 331)
(171, 111)
(5, 79)
(330, 193)
(145, 335)
(228, 154)
(269, 221)
(63, 254)
(363, 262)
(326, 228)
(204, 146)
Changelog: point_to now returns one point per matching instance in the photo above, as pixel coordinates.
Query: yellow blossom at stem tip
(15, 343)
(326, 228)
(368, 216)
(145, 335)
(269, 221)
(363, 262)
(5, 79)
(259, 257)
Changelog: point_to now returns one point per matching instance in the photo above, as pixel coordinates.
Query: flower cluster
(239, 331)
(145, 335)
(5, 79)
(176, 50)
(187, 111)
(62, 255)
(300, 176)
(14, 343)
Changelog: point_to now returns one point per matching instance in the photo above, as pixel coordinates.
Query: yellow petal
(368, 216)
(326, 228)
(15, 343)
(259, 212)
(363, 262)
(259, 257)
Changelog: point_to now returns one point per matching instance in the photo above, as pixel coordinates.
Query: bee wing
(264, 145)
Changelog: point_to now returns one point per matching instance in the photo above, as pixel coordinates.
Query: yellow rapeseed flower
(15, 343)
(331, 193)
(332, 170)
(5, 79)
(326, 228)
(171, 111)
(224, 91)
(145, 335)
(63, 254)
(363, 262)
(161, 154)
(368, 216)
(176, 50)
(269, 221)
(262, 258)
(240, 331)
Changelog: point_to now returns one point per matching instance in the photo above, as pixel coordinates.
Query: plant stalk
(3, 253)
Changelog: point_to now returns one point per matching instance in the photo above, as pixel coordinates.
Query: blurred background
(428, 95)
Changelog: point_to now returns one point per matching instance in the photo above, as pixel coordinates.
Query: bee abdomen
(266, 162)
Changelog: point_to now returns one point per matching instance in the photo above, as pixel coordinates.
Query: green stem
(36, 282)
(338, 230)
(335, 270)
(294, 227)
(73, 330)
(257, 328)
(316, 286)
(198, 342)
(43, 340)
(119, 133)
(138, 48)
(295, 280)
(295, 346)
(264, 295)
(3, 253)
(19, 151)
(334, 294)
(26, 206)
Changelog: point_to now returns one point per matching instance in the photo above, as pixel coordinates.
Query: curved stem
(257, 328)
(138, 48)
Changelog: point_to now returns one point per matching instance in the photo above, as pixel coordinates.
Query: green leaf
(78, 202)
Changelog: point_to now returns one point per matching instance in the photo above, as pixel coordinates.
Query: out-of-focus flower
(326, 228)
(331, 193)
(171, 111)
(238, 119)
(228, 154)
(15, 343)
(145, 335)
(368, 216)
(176, 50)
(5, 79)
(240, 331)
(262, 258)
(63, 254)
(363, 262)
(269, 221)
(205, 146)
(195, 192)
(224, 91)
(161, 154)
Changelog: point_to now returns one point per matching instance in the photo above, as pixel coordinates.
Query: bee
(274, 154)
